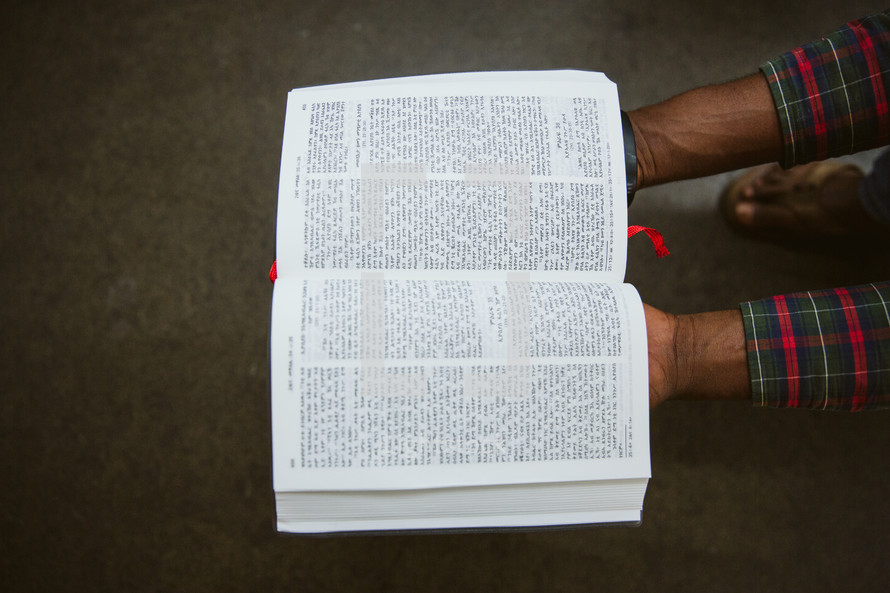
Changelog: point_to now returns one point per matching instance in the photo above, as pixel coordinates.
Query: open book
(452, 344)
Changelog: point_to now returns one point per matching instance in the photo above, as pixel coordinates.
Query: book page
(488, 171)
(390, 381)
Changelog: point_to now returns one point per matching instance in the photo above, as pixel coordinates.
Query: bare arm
(700, 356)
(703, 132)
(706, 131)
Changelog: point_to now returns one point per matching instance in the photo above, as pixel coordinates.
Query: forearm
(826, 349)
(701, 356)
(712, 360)
(706, 131)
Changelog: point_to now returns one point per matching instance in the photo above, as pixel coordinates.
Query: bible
(452, 344)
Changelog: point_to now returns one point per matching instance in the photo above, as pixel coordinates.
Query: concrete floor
(140, 153)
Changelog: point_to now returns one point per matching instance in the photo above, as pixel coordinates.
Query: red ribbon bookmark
(273, 273)
(657, 240)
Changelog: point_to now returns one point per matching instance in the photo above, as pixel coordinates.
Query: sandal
(794, 203)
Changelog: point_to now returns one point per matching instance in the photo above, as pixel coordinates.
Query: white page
(522, 76)
(452, 409)
(460, 218)
(436, 173)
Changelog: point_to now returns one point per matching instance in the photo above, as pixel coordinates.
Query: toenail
(745, 213)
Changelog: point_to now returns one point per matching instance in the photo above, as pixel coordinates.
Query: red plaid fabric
(830, 349)
(827, 350)
(831, 95)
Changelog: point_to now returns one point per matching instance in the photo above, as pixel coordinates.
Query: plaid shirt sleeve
(827, 350)
(831, 95)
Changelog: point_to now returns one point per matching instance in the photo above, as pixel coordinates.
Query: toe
(764, 216)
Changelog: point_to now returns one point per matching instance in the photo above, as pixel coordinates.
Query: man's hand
(661, 330)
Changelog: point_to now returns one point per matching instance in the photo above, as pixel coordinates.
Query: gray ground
(140, 157)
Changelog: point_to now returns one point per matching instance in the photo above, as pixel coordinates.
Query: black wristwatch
(630, 157)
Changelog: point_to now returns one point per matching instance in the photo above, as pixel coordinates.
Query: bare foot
(815, 200)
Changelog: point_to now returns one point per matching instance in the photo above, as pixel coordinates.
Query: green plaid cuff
(831, 95)
(827, 350)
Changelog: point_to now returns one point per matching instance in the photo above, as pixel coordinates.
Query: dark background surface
(140, 153)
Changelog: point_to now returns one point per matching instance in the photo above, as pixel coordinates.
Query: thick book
(452, 343)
